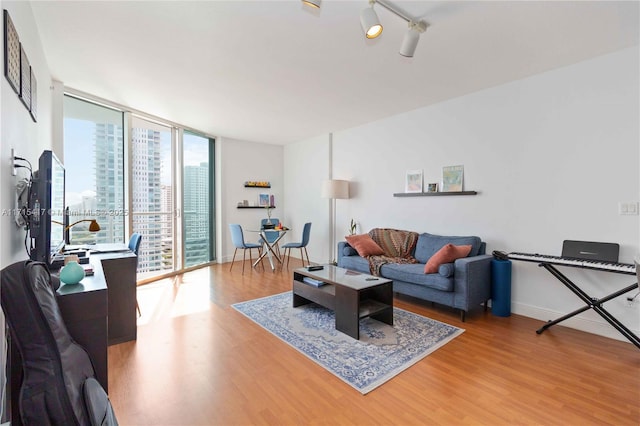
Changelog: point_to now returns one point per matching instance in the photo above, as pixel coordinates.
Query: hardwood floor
(197, 361)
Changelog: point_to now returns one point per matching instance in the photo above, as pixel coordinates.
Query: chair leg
(234, 258)
(307, 253)
(244, 254)
(285, 255)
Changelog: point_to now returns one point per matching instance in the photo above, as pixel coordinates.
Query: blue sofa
(464, 284)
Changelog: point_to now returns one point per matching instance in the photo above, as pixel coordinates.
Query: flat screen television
(46, 204)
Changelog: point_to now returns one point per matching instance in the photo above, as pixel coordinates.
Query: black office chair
(134, 246)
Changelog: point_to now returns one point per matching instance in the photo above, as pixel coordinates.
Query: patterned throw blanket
(397, 246)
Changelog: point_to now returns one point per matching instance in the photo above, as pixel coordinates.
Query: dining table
(270, 251)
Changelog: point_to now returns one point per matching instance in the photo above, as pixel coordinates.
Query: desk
(270, 246)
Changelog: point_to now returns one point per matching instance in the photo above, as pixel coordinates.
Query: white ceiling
(278, 72)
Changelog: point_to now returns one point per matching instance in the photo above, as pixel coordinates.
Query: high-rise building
(196, 214)
(147, 196)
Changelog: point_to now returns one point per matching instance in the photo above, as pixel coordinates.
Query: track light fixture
(412, 36)
(312, 3)
(370, 22)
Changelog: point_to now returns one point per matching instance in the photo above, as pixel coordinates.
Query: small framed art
(413, 181)
(263, 200)
(432, 187)
(452, 178)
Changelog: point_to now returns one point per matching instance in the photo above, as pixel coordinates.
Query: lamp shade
(335, 188)
(370, 23)
(313, 3)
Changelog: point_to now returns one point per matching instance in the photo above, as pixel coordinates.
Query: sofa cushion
(414, 273)
(364, 245)
(429, 244)
(355, 263)
(446, 254)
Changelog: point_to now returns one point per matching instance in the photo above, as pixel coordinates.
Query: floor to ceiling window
(152, 195)
(152, 178)
(94, 165)
(198, 214)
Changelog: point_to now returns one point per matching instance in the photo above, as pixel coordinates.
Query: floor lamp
(334, 189)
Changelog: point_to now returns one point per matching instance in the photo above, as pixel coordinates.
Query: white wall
(238, 162)
(551, 156)
(29, 139)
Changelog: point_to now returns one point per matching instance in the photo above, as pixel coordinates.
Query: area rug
(382, 352)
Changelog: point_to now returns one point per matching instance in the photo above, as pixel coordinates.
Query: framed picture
(11, 53)
(432, 187)
(263, 200)
(452, 178)
(413, 182)
(34, 97)
(25, 79)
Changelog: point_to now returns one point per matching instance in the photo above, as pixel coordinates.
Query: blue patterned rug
(381, 353)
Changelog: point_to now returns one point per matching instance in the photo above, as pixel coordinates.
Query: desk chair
(301, 245)
(134, 246)
(238, 240)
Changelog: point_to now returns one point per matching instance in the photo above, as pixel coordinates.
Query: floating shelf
(256, 186)
(433, 194)
(255, 207)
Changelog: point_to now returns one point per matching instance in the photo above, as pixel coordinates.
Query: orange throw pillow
(446, 254)
(364, 245)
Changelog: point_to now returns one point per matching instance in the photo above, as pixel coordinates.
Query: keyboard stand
(592, 303)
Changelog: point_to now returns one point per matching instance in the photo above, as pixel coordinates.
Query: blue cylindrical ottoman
(501, 287)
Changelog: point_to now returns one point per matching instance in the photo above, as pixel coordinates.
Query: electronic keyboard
(621, 268)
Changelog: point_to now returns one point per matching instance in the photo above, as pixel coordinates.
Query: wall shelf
(433, 194)
(255, 207)
(256, 186)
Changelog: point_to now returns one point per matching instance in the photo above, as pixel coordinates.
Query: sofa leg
(462, 315)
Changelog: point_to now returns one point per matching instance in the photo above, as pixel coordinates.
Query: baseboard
(601, 328)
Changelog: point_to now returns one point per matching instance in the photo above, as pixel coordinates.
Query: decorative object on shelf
(268, 207)
(432, 187)
(11, 53)
(263, 200)
(352, 227)
(452, 178)
(413, 182)
(71, 273)
(257, 184)
(434, 194)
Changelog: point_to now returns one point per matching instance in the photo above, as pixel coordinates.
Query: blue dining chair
(271, 235)
(301, 245)
(238, 240)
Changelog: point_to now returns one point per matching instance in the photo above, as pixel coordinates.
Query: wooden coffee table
(351, 295)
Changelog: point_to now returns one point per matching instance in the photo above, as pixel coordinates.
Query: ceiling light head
(312, 3)
(370, 23)
(412, 37)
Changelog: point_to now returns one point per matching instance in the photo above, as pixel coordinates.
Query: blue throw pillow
(429, 244)
(349, 251)
(446, 270)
